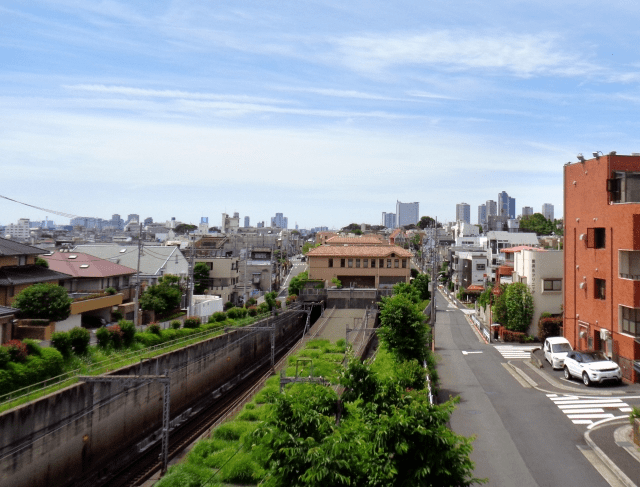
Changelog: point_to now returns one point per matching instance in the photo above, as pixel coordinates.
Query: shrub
(17, 350)
(176, 324)
(116, 335)
(52, 363)
(102, 334)
(116, 315)
(5, 357)
(252, 311)
(154, 328)
(61, 341)
(513, 336)
(219, 316)
(80, 338)
(110, 291)
(635, 414)
(128, 332)
(47, 301)
(549, 326)
(250, 302)
(228, 305)
(192, 322)
(263, 308)
(33, 347)
(233, 313)
(291, 299)
(278, 304)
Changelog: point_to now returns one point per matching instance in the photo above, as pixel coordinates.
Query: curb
(608, 462)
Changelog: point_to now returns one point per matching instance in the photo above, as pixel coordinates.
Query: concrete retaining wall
(64, 437)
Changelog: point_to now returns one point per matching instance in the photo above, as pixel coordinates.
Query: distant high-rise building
(512, 207)
(463, 212)
(279, 221)
(388, 219)
(506, 205)
(527, 211)
(492, 208)
(482, 215)
(547, 211)
(116, 222)
(260, 224)
(148, 221)
(246, 222)
(407, 213)
(133, 218)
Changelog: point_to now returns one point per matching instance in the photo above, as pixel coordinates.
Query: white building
(547, 211)
(20, 230)
(541, 270)
(463, 212)
(230, 224)
(527, 211)
(492, 208)
(464, 229)
(407, 213)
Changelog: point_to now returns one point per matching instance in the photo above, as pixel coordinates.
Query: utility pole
(434, 275)
(137, 296)
(191, 267)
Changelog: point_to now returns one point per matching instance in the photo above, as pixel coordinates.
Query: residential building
(547, 211)
(388, 220)
(230, 224)
(482, 216)
(407, 213)
(246, 222)
(527, 211)
(360, 266)
(541, 270)
(7, 315)
(279, 221)
(18, 231)
(492, 208)
(499, 240)
(224, 272)
(469, 267)
(602, 258)
(465, 229)
(463, 212)
(323, 237)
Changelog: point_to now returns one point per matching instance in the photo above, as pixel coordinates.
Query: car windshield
(560, 347)
(593, 357)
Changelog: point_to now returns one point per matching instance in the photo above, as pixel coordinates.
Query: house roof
(79, 265)
(475, 288)
(28, 274)
(6, 311)
(512, 250)
(358, 251)
(9, 248)
(395, 233)
(364, 240)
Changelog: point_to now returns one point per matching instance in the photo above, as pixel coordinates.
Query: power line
(60, 213)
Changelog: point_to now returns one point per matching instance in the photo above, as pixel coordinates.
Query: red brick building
(602, 258)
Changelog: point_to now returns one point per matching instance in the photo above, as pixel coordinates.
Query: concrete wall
(67, 436)
(71, 322)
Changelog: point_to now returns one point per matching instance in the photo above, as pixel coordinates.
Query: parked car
(555, 350)
(591, 366)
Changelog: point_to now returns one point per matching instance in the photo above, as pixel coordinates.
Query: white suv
(591, 366)
(555, 350)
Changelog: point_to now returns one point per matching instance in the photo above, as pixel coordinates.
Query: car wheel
(567, 374)
(585, 379)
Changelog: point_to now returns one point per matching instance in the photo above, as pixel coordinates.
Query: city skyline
(194, 109)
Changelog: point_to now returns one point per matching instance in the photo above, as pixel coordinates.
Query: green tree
(270, 299)
(421, 283)
(540, 225)
(184, 228)
(402, 328)
(499, 304)
(297, 283)
(162, 297)
(200, 277)
(408, 290)
(44, 301)
(519, 304)
(427, 222)
(42, 262)
(307, 246)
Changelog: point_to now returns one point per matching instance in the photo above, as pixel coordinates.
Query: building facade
(388, 220)
(492, 208)
(482, 215)
(527, 211)
(463, 212)
(547, 211)
(407, 213)
(602, 258)
(246, 222)
(20, 230)
(279, 221)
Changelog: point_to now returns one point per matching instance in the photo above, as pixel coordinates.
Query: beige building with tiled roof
(364, 240)
(364, 266)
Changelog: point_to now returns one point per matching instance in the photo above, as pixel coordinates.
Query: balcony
(629, 264)
(92, 302)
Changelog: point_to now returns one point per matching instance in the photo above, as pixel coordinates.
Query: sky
(328, 112)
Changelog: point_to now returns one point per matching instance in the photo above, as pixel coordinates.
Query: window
(596, 238)
(480, 267)
(404, 263)
(365, 263)
(381, 263)
(388, 263)
(350, 261)
(358, 263)
(330, 262)
(341, 262)
(630, 320)
(624, 187)
(552, 285)
(373, 263)
(600, 287)
(396, 263)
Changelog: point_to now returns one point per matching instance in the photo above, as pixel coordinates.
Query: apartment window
(373, 263)
(350, 262)
(357, 263)
(480, 267)
(624, 187)
(396, 263)
(365, 263)
(404, 263)
(629, 264)
(600, 287)
(341, 262)
(552, 285)
(330, 262)
(388, 263)
(630, 320)
(11, 291)
(596, 238)
(381, 263)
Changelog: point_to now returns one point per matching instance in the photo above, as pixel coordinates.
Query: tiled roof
(475, 287)
(395, 233)
(85, 265)
(28, 274)
(512, 250)
(358, 251)
(6, 311)
(366, 240)
(9, 248)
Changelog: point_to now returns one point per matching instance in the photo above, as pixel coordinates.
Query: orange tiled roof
(475, 287)
(358, 251)
(511, 250)
(395, 233)
(366, 240)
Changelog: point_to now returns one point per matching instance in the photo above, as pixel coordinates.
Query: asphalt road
(298, 267)
(522, 438)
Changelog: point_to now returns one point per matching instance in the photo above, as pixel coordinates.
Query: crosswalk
(584, 410)
(515, 351)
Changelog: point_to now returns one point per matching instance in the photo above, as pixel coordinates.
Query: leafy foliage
(307, 246)
(427, 222)
(45, 301)
(540, 225)
(485, 297)
(499, 304)
(270, 299)
(61, 341)
(42, 262)
(519, 303)
(298, 282)
(162, 297)
(403, 330)
(421, 283)
(128, 330)
(200, 277)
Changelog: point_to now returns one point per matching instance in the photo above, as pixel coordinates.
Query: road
(297, 268)
(522, 438)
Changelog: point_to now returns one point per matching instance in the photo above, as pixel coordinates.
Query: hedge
(34, 369)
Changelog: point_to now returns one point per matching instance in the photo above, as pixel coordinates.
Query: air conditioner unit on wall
(604, 334)
(583, 334)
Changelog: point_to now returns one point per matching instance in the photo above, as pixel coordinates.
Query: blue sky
(325, 111)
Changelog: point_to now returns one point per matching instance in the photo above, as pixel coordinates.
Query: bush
(5, 357)
(250, 302)
(513, 336)
(233, 313)
(116, 316)
(228, 305)
(116, 335)
(110, 291)
(252, 311)
(128, 332)
(17, 350)
(176, 324)
(154, 328)
(549, 326)
(219, 316)
(192, 322)
(33, 347)
(80, 338)
(102, 334)
(46, 301)
(291, 299)
(52, 363)
(61, 341)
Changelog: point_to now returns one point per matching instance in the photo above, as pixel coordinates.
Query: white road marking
(467, 353)
(583, 410)
(515, 351)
